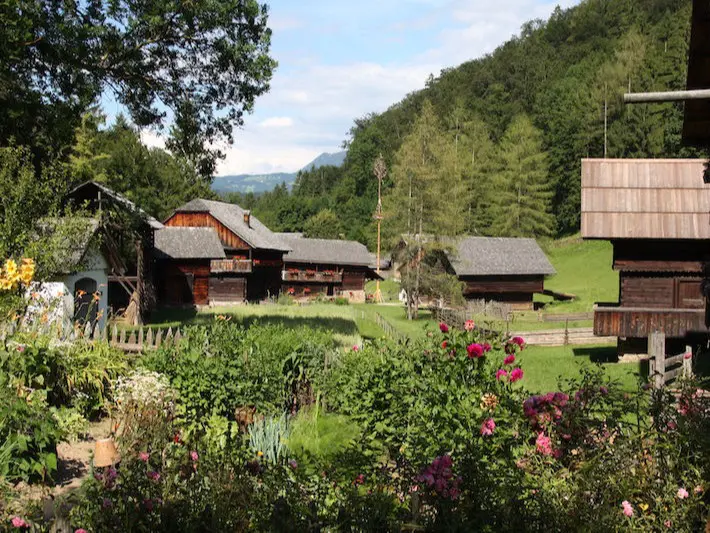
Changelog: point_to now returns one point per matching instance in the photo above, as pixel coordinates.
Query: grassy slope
(583, 269)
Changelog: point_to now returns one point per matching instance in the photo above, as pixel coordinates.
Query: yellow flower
(260, 453)
(643, 507)
(5, 284)
(10, 267)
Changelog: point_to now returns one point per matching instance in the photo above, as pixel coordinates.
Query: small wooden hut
(325, 267)
(127, 233)
(509, 270)
(656, 213)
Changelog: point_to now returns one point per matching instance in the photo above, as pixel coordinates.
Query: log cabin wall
(661, 274)
(205, 220)
(184, 282)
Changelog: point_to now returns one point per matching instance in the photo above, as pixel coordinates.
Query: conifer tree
(523, 190)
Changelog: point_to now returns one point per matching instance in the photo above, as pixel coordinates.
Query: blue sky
(339, 60)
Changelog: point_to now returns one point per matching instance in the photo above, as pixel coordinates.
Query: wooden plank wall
(205, 220)
(227, 289)
(529, 284)
(645, 198)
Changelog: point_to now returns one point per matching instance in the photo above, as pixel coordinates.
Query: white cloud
(152, 139)
(277, 122)
(324, 98)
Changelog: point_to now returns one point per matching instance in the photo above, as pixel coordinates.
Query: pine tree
(522, 183)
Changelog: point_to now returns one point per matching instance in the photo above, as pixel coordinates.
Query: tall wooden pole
(380, 171)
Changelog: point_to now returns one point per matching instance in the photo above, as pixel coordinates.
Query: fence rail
(388, 328)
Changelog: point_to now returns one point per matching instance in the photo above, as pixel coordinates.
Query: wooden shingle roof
(645, 199)
(497, 256)
(325, 251)
(188, 243)
(255, 234)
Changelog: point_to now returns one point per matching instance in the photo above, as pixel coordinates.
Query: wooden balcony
(611, 320)
(312, 277)
(230, 266)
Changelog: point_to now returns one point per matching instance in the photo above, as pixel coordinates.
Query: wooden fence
(130, 340)
(388, 328)
(664, 369)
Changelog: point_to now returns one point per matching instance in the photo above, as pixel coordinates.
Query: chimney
(247, 218)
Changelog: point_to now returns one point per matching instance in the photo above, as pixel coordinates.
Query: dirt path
(73, 458)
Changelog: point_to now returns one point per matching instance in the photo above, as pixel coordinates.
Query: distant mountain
(265, 182)
(335, 160)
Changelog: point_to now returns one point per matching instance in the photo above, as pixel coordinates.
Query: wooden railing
(227, 266)
(664, 369)
(314, 277)
(640, 322)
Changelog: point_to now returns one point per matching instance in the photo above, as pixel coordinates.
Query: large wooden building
(509, 270)
(325, 267)
(656, 213)
(246, 266)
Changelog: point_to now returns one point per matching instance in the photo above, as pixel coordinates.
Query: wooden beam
(669, 96)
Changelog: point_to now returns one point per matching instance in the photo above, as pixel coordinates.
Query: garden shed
(509, 270)
(127, 236)
(656, 213)
(326, 267)
(78, 293)
(248, 269)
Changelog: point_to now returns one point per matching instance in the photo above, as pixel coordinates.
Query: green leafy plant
(267, 437)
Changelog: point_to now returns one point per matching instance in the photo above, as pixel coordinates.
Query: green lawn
(340, 319)
(583, 269)
(545, 366)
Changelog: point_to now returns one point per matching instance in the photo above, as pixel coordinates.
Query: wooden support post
(566, 331)
(688, 362)
(657, 354)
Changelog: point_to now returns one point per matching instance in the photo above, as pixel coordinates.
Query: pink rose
(194, 456)
(487, 427)
(469, 325)
(19, 523)
(627, 508)
(682, 493)
(509, 360)
(80, 530)
(543, 444)
(486, 347)
(444, 328)
(474, 351)
(516, 375)
(356, 348)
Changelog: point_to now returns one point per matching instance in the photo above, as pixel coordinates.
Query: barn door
(689, 294)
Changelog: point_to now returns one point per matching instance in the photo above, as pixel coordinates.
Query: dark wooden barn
(325, 267)
(696, 126)
(656, 213)
(509, 270)
(249, 267)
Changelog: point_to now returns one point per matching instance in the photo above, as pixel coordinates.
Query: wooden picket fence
(388, 328)
(134, 340)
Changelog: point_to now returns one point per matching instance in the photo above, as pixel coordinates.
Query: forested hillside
(493, 146)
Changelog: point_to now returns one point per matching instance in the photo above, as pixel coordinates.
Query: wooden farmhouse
(326, 268)
(195, 271)
(656, 213)
(509, 270)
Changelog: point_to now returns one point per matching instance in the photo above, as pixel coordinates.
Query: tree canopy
(199, 64)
